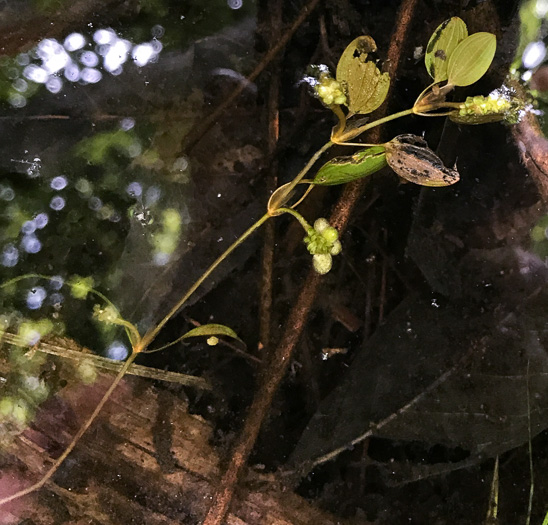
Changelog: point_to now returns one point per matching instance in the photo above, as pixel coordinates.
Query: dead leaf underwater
(480, 406)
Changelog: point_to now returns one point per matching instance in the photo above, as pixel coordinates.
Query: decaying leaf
(366, 87)
(471, 59)
(341, 170)
(411, 158)
(443, 387)
(441, 45)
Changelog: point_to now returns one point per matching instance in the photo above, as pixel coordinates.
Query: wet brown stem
(533, 148)
(275, 371)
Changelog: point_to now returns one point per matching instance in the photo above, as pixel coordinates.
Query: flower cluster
(501, 104)
(109, 314)
(326, 88)
(322, 241)
(329, 90)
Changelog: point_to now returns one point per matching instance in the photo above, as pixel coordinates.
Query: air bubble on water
(117, 351)
(6, 193)
(90, 75)
(17, 100)
(127, 123)
(41, 220)
(152, 195)
(28, 227)
(95, 203)
(31, 244)
(180, 164)
(35, 297)
(56, 299)
(74, 41)
(57, 203)
(89, 59)
(134, 150)
(58, 183)
(157, 31)
(56, 282)
(20, 85)
(54, 85)
(134, 189)
(161, 258)
(72, 73)
(10, 255)
(23, 59)
(115, 217)
(84, 187)
(36, 74)
(235, 4)
(104, 36)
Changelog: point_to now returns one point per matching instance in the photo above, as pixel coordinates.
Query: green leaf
(411, 158)
(365, 86)
(341, 170)
(471, 60)
(441, 45)
(211, 329)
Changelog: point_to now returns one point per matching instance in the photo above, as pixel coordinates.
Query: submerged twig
(60, 347)
(275, 371)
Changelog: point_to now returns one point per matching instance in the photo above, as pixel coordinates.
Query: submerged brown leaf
(411, 158)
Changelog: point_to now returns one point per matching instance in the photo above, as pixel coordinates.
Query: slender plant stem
(151, 334)
(297, 216)
(350, 134)
(51, 471)
(530, 442)
(291, 186)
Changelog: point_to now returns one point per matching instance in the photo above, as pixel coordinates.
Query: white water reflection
(52, 62)
(74, 41)
(534, 54)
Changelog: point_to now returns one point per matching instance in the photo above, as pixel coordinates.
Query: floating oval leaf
(211, 330)
(471, 60)
(410, 157)
(341, 170)
(441, 45)
(365, 86)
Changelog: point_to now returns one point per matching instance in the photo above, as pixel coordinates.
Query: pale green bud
(322, 263)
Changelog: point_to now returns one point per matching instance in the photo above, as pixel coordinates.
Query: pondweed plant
(453, 58)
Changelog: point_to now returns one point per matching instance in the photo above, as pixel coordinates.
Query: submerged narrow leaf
(341, 170)
(471, 59)
(365, 86)
(441, 45)
(211, 330)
